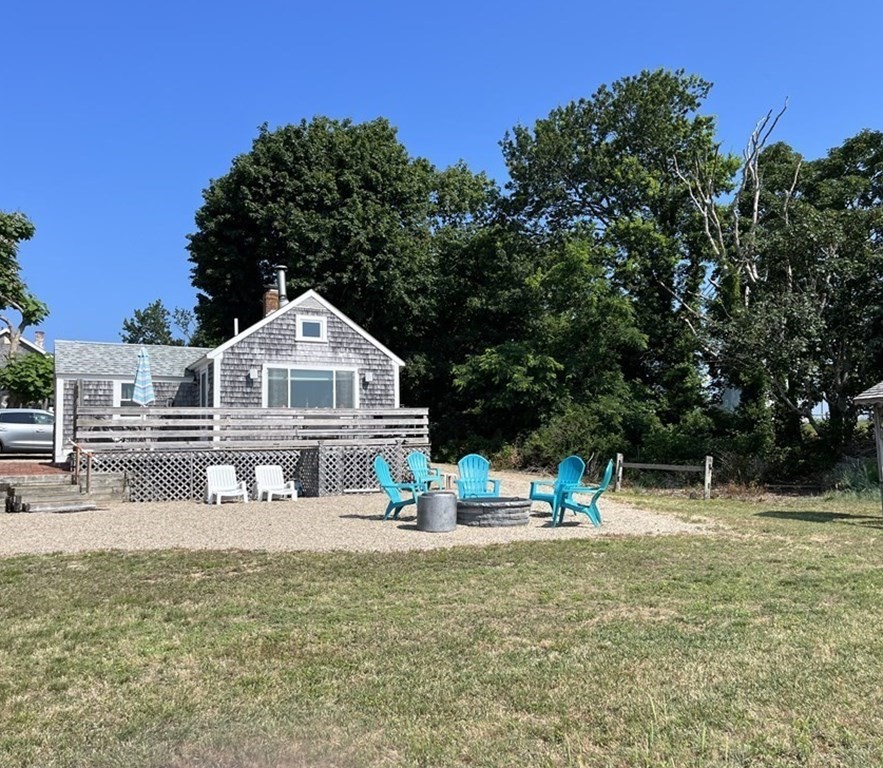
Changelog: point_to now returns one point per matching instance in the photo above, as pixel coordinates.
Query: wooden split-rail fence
(706, 469)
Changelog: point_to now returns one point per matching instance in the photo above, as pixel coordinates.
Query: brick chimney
(40, 339)
(271, 300)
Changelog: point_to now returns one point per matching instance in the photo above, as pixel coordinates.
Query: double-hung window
(124, 391)
(127, 392)
(293, 387)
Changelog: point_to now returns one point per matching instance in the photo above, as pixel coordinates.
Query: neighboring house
(304, 354)
(25, 347)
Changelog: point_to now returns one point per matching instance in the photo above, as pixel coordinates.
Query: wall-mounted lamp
(252, 373)
(368, 377)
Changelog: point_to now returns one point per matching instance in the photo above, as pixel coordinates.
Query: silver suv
(26, 430)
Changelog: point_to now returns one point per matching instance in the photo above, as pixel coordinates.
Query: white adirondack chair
(222, 482)
(269, 482)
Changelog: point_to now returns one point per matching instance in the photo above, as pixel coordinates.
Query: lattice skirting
(181, 475)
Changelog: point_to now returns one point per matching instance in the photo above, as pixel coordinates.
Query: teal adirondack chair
(393, 489)
(474, 481)
(424, 475)
(570, 472)
(590, 510)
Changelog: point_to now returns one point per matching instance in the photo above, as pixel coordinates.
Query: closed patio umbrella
(143, 392)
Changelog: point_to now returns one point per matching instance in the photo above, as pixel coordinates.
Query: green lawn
(759, 647)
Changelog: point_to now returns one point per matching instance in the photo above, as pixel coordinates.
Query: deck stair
(59, 492)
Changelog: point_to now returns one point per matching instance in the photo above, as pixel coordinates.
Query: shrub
(854, 475)
(585, 430)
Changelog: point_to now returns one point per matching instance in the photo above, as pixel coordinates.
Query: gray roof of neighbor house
(871, 396)
(97, 358)
(27, 344)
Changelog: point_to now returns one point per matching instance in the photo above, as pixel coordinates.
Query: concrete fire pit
(493, 512)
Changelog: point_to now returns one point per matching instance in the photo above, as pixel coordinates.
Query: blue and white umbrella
(143, 392)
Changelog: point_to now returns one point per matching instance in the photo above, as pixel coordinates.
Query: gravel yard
(352, 522)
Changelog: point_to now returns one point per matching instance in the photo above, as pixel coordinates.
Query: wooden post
(617, 486)
(878, 439)
(709, 461)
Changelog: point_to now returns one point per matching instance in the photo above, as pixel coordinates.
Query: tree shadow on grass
(808, 516)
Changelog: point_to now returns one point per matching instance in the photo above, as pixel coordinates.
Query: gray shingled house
(305, 354)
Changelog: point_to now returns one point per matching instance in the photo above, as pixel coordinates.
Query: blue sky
(116, 115)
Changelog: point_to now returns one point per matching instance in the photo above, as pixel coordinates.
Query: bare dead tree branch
(790, 195)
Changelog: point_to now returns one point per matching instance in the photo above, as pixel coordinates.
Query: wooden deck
(164, 452)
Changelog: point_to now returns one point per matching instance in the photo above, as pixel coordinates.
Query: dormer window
(312, 328)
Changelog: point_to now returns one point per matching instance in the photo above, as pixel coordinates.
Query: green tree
(810, 325)
(16, 228)
(342, 206)
(485, 378)
(590, 331)
(153, 325)
(29, 379)
(185, 321)
(798, 309)
(606, 169)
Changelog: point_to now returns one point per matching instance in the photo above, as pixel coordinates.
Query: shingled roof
(870, 396)
(96, 358)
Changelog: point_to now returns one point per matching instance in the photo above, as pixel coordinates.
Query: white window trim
(202, 380)
(59, 438)
(118, 393)
(265, 375)
(216, 381)
(323, 326)
(118, 400)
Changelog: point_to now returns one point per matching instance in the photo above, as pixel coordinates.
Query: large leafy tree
(807, 320)
(490, 379)
(606, 169)
(589, 328)
(342, 206)
(797, 312)
(531, 330)
(19, 308)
